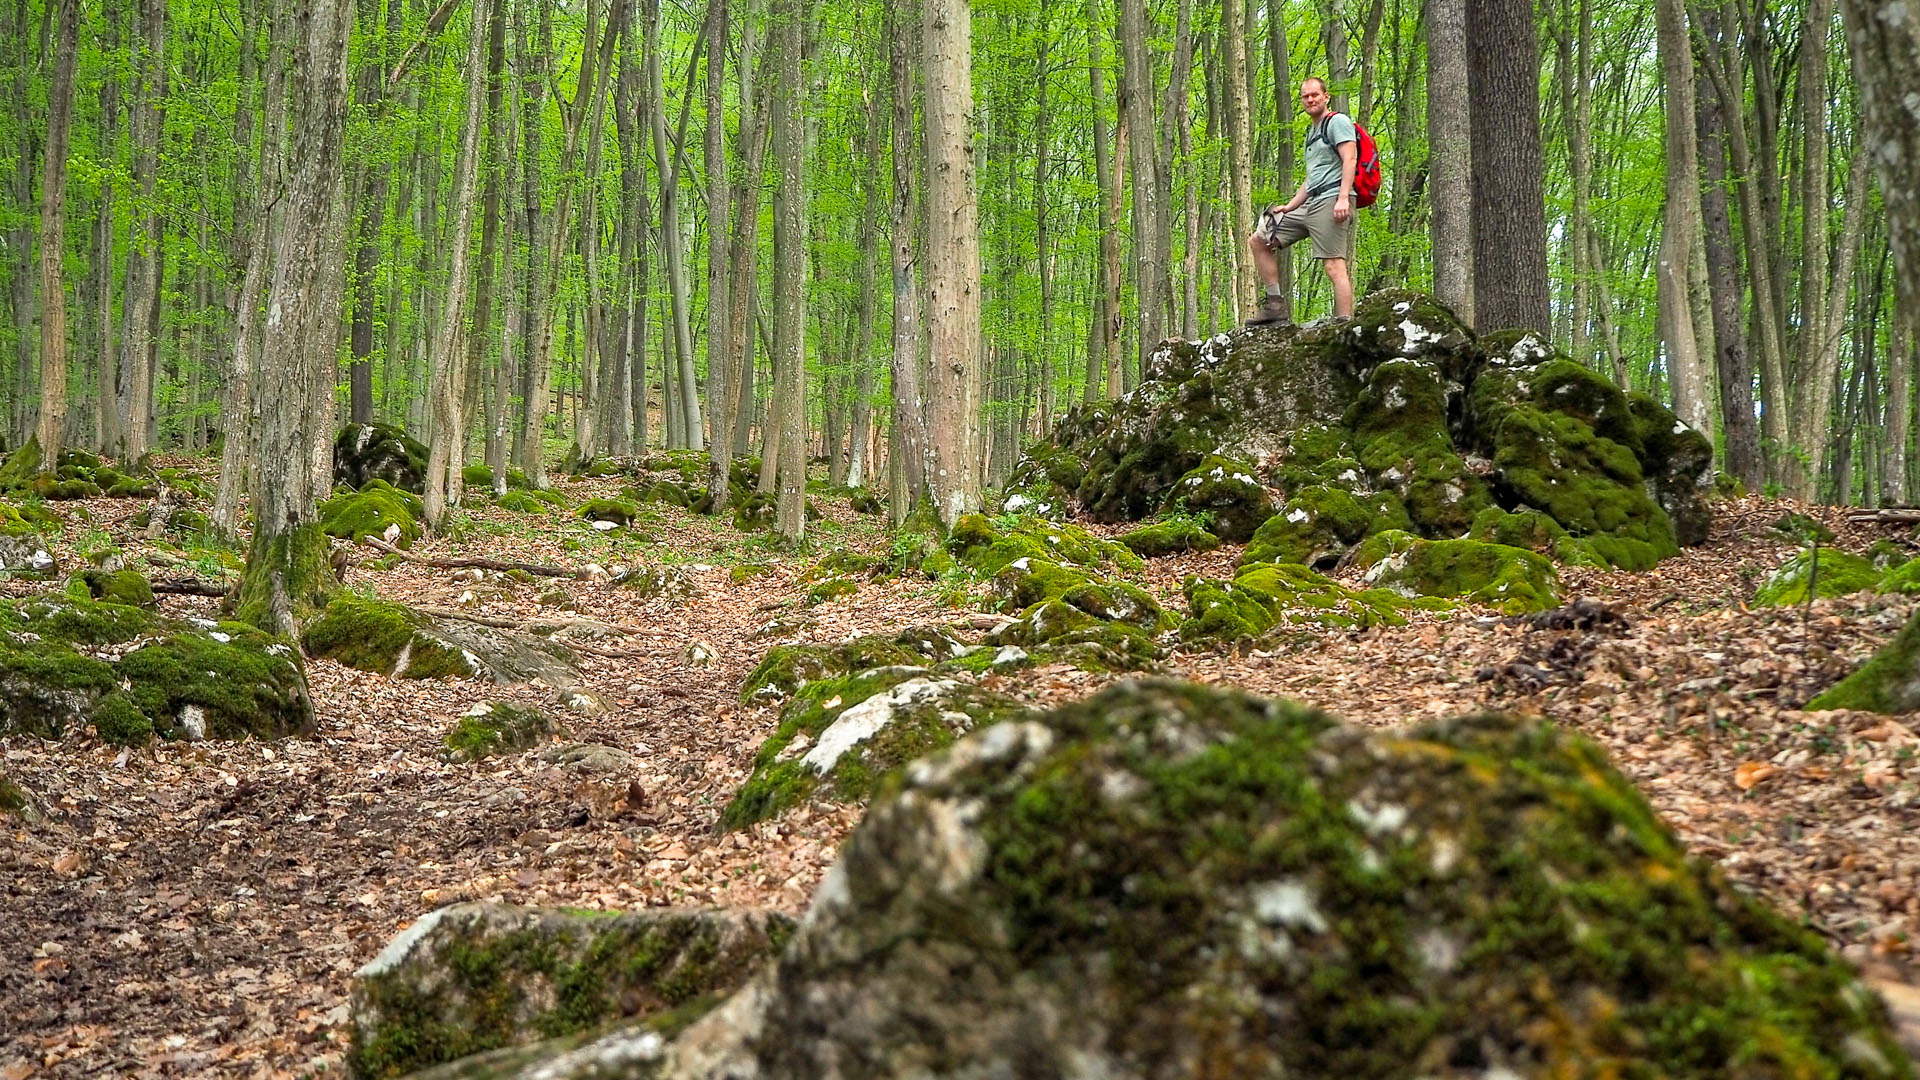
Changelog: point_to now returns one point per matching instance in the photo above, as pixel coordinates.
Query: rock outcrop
(363, 452)
(476, 977)
(1170, 880)
(1401, 420)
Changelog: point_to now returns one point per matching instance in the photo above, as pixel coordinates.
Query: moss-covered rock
(1319, 524)
(19, 803)
(1402, 438)
(394, 640)
(474, 977)
(73, 660)
(495, 727)
(985, 546)
(363, 452)
(841, 738)
(1285, 595)
(617, 511)
(1228, 493)
(1169, 877)
(656, 580)
(1889, 682)
(785, 669)
(1065, 630)
(668, 492)
(1813, 572)
(116, 586)
(1171, 537)
(1509, 579)
(1901, 579)
(25, 554)
(521, 502)
(379, 510)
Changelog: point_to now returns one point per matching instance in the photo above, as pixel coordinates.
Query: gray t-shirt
(1323, 155)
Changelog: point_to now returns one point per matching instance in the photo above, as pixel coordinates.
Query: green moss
(13, 798)
(1470, 884)
(382, 637)
(1889, 682)
(117, 587)
(831, 589)
(920, 722)
(1314, 528)
(230, 682)
(1511, 580)
(1831, 573)
(371, 511)
(742, 573)
(669, 492)
(119, 722)
(117, 485)
(493, 728)
(785, 669)
(286, 578)
(521, 502)
(985, 546)
(1902, 579)
(1229, 492)
(1067, 630)
(1270, 595)
(1171, 537)
(618, 511)
(476, 477)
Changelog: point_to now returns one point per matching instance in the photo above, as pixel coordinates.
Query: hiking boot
(1270, 311)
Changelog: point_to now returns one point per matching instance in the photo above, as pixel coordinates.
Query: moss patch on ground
(1267, 596)
(1171, 537)
(1509, 579)
(1823, 571)
(382, 637)
(785, 669)
(492, 728)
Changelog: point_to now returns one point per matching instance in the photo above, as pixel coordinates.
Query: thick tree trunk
(953, 266)
(1509, 206)
(286, 572)
(53, 237)
(789, 268)
(1450, 155)
(1883, 37)
(1731, 360)
(909, 426)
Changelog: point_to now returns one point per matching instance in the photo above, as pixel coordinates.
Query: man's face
(1313, 98)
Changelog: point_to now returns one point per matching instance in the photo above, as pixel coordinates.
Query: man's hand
(1342, 210)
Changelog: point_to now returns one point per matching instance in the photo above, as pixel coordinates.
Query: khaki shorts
(1331, 239)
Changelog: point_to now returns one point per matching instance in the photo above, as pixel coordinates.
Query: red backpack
(1366, 164)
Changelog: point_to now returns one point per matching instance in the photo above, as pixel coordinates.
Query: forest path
(196, 909)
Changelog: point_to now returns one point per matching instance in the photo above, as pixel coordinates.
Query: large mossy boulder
(363, 452)
(1173, 881)
(131, 673)
(840, 739)
(786, 669)
(1401, 420)
(379, 509)
(1512, 580)
(474, 977)
(394, 640)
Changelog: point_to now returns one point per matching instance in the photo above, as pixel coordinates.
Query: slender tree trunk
(866, 313)
(493, 163)
(1682, 210)
(788, 117)
(1042, 182)
(909, 426)
(1731, 359)
(722, 375)
(449, 371)
(1105, 338)
(286, 572)
(53, 237)
(535, 313)
(1451, 156)
(1239, 137)
(1899, 426)
(1809, 395)
(1283, 93)
(686, 394)
(1152, 282)
(106, 408)
(144, 261)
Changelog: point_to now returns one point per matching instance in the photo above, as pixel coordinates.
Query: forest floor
(196, 909)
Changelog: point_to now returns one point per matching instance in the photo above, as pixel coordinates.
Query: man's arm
(1349, 156)
(1299, 197)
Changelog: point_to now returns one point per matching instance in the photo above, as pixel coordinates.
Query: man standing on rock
(1321, 209)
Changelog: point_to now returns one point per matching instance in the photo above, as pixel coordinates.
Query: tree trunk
(494, 163)
(1883, 37)
(866, 313)
(1682, 210)
(909, 426)
(722, 393)
(686, 398)
(586, 439)
(449, 371)
(789, 268)
(286, 572)
(53, 238)
(1809, 394)
(1283, 93)
(106, 408)
(142, 305)
(1152, 282)
(1509, 207)
(1731, 359)
(1450, 156)
(1105, 337)
(953, 266)
(1899, 425)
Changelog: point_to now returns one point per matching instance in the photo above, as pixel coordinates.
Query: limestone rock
(133, 673)
(495, 727)
(363, 452)
(1170, 881)
(27, 554)
(1401, 420)
(473, 977)
(394, 640)
(19, 802)
(378, 509)
(1817, 572)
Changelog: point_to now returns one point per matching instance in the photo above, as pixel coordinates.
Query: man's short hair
(1315, 79)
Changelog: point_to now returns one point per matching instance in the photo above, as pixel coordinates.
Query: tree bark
(1283, 93)
(53, 237)
(686, 394)
(106, 409)
(1681, 211)
(1105, 338)
(1899, 425)
(1450, 156)
(722, 394)
(909, 426)
(1731, 359)
(866, 313)
(1152, 280)
(142, 305)
(953, 266)
(1883, 36)
(286, 572)
(1509, 205)
(789, 268)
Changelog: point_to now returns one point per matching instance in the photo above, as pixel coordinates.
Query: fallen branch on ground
(1891, 516)
(378, 544)
(189, 587)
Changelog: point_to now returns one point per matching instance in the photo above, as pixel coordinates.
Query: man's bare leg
(1342, 287)
(1264, 261)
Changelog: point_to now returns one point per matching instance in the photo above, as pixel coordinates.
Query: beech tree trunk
(286, 573)
(1509, 205)
(1732, 361)
(1450, 157)
(106, 414)
(1883, 37)
(1151, 273)
(789, 268)
(1284, 177)
(53, 237)
(685, 397)
(909, 426)
(721, 374)
(1104, 341)
(142, 306)
(953, 262)
(1690, 400)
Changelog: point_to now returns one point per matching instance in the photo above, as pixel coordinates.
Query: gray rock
(591, 759)
(475, 977)
(1171, 881)
(27, 554)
